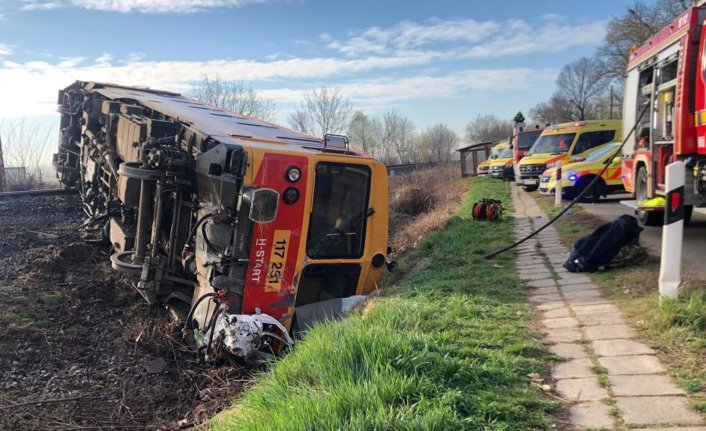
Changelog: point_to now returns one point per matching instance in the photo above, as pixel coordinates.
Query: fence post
(672, 232)
(557, 188)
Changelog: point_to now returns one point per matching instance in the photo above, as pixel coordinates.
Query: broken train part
(232, 222)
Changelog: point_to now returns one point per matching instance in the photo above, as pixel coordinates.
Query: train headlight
(291, 195)
(293, 174)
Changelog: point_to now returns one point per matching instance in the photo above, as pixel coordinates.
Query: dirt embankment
(77, 336)
(421, 202)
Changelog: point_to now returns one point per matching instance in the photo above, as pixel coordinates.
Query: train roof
(221, 124)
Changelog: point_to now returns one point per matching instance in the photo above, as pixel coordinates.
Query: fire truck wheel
(529, 188)
(646, 218)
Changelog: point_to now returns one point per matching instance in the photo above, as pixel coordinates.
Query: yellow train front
(327, 242)
(246, 230)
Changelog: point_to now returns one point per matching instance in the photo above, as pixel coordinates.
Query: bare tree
(438, 143)
(26, 154)
(365, 133)
(399, 138)
(555, 110)
(488, 127)
(324, 111)
(581, 83)
(633, 28)
(234, 96)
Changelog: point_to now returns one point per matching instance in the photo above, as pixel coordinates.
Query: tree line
(592, 87)
(391, 137)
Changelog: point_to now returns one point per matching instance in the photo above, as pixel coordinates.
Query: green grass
(448, 347)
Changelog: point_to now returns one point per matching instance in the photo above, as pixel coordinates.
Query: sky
(433, 61)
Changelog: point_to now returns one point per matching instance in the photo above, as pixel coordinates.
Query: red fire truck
(667, 75)
(522, 140)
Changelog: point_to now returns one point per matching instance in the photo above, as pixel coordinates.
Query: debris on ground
(76, 336)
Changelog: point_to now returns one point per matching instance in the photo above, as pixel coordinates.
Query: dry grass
(420, 203)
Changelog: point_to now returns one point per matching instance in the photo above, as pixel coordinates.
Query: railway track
(37, 193)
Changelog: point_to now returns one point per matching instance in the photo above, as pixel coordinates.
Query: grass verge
(676, 329)
(448, 347)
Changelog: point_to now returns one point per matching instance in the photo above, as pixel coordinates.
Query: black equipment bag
(598, 249)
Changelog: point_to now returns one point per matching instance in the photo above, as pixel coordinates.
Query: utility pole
(3, 184)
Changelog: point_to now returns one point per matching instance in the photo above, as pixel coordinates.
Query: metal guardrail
(409, 168)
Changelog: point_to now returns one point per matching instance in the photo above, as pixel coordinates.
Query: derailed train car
(247, 230)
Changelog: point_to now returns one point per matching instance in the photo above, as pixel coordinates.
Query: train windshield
(340, 211)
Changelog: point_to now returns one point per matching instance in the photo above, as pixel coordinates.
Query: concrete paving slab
(531, 266)
(638, 364)
(642, 385)
(584, 294)
(584, 389)
(569, 350)
(573, 368)
(578, 302)
(539, 299)
(609, 332)
(577, 287)
(570, 278)
(533, 270)
(558, 312)
(601, 319)
(621, 348)
(561, 322)
(563, 335)
(541, 283)
(536, 276)
(591, 415)
(595, 309)
(550, 305)
(545, 291)
(657, 411)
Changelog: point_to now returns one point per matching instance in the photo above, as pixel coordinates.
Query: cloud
(410, 35)
(385, 91)
(468, 38)
(520, 38)
(5, 50)
(143, 6)
(32, 85)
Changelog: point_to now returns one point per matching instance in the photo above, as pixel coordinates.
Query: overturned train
(247, 230)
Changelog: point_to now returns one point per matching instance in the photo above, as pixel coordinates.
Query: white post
(557, 188)
(672, 232)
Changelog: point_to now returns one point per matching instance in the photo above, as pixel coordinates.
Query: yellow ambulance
(578, 173)
(563, 141)
(484, 166)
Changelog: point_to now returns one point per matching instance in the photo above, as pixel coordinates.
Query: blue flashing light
(573, 178)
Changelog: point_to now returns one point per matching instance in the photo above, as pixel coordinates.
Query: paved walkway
(612, 380)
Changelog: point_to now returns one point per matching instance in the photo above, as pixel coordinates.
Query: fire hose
(578, 197)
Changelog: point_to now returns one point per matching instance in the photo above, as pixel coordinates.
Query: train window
(340, 211)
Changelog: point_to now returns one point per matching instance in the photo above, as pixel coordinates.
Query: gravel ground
(75, 337)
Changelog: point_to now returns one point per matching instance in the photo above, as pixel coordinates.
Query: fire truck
(666, 77)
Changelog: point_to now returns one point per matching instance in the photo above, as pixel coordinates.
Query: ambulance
(579, 172)
(563, 141)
